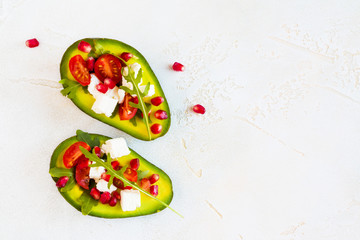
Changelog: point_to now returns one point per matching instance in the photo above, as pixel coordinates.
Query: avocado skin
(83, 100)
(148, 206)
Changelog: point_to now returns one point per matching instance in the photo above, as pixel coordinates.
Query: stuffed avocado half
(112, 82)
(102, 177)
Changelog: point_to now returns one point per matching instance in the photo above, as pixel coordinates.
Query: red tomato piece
(130, 175)
(73, 153)
(79, 70)
(126, 112)
(108, 66)
(82, 173)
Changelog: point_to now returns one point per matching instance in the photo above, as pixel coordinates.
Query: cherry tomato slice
(82, 172)
(126, 112)
(73, 153)
(108, 66)
(79, 70)
(130, 175)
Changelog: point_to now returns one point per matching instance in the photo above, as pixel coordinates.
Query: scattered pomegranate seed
(128, 187)
(199, 109)
(130, 175)
(95, 193)
(62, 181)
(161, 114)
(145, 184)
(118, 183)
(105, 197)
(154, 190)
(134, 164)
(115, 165)
(116, 195)
(135, 100)
(31, 43)
(126, 56)
(178, 67)
(90, 62)
(112, 201)
(97, 151)
(156, 128)
(109, 83)
(84, 46)
(101, 88)
(105, 176)
(156, 101)
(154, 178)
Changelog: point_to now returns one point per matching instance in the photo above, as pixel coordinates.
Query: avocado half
(84, 100)
(148, 205)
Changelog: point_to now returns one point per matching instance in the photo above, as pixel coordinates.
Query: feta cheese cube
(113, 93)
(95, 173)
(126, 84)
(125, 71)
(92, 86)
(104, 104)
(136, 68)
(121, 94)
(116, 147)
(151, 91)
(130, 199)
(102, 186)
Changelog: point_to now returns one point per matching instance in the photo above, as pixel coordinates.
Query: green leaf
(70, 87)
(87, 203)
(146, 90)
(59, 172)
(135, 82)
(120, 175)
(142, 174)
(69, 185)
(92, 141)
(133, 121)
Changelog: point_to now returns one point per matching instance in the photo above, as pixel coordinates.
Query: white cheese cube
(96, 172)
(136, 68)
(126, 84)
(104, 104)
(102, 186)
(125, 71)
(113, 93)
(130, 199)
(92, 86)
(116, 147)
(121, 94)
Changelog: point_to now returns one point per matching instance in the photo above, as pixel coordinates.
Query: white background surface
(276, 156)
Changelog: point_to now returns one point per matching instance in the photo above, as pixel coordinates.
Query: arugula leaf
(69, 185)
(59, 172)
(120, 175)
(70, 87)
(92, 141)
(97, 49)
(133, 121)
(135, 82)
(143, 174)
(87, 203)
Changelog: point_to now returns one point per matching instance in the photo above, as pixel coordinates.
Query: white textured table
(276, 156)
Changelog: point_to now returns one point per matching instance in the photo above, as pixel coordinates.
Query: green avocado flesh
(148, 205)
(84, 100)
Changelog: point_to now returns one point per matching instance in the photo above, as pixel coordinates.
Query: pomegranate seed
(134, 100)
(156, 128)
(178, 67)
(62, 181)
(199, 109)
(109, 83)
(118, 183)
(105, 176)
(112, 201)
(116, 195)
(134, 164)
(84, 46)
(105, 197)
(145, 184)
(128, 187)
(95, 193)
(101, 88)
(154, 190)
(154, 178)
(90, 62)
(31, 43)
(126, 56)
(115, 165)
(161, 114)
(156, 101)
(97, 151)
